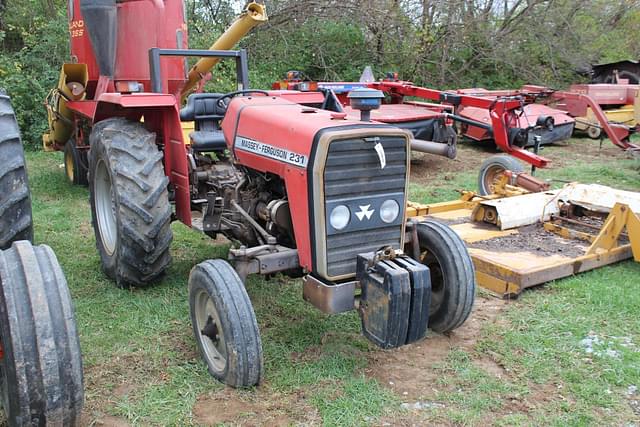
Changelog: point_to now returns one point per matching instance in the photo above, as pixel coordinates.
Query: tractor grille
(353, 177)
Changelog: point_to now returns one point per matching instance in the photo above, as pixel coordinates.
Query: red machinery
(503, 115)
(500, 114)
(530, 117)
(295, 184)
(614, 108)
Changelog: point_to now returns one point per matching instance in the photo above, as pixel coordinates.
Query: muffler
(437, 148)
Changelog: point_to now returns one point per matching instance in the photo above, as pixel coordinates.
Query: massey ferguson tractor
(295, 185)
(40, 363)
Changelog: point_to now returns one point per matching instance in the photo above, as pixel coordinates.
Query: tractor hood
(271, 127)
(325, 159)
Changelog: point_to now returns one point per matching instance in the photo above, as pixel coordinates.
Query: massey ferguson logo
(364, 212)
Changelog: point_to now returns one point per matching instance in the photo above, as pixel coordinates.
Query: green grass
(141, 362)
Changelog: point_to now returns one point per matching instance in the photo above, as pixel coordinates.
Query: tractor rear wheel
(40, 362)
(130, 208)
(224, 324)
(453, 282)
(75, 163)
(15, 201)
(492, 169)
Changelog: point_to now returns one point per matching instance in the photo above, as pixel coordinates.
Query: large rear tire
(41, 367)
(453, 282)
(75, 163)
(492, 169)
(130, 208)
(224, 324)
(15, 201)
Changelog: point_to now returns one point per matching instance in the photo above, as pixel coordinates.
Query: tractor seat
(204, 111)
(202, 140)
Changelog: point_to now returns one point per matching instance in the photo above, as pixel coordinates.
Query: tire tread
(40, 337)
(244, 369)
(144, 223)
(15, 199)
(461, 280)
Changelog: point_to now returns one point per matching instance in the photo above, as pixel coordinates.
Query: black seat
(203, 109)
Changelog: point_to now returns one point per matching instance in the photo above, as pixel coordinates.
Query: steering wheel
(224, 104)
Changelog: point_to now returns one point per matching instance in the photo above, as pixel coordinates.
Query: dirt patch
(533, 238)
(490, 366)
(426, 167)
(122, 375)
(124, 390)
(410, 370)
(583, 149)
(258, 408)
(310, 354)
(108, 421)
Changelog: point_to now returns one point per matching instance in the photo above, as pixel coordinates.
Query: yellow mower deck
(508, 261)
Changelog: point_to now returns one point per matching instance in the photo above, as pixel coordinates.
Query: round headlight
(339, 217)
(389, 211)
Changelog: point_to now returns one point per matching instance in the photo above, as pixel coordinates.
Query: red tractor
(295, 185)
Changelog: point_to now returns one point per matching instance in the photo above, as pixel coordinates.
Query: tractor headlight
(339, 217)
(389, 211)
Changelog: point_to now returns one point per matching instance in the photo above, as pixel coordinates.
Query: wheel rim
(105, 208)
(210, 332)
(492, 177)
(68, 164)
(437, 281)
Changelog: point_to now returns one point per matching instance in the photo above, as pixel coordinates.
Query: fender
(161, 116)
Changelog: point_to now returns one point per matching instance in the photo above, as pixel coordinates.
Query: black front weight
(394, 305)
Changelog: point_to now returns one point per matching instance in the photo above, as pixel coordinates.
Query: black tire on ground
(75, 163)
(224, 324)
(15, 201)
(453, 282)
(594, 132)
(41, 367)
(492, 168)
(130, 209)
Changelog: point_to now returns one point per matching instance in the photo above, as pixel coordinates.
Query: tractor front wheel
(75, 163)
(130, 208)
(453, 281)
(40, 362)
(492, 169)
(224, 324)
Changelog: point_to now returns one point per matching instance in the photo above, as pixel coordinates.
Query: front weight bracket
(394, 304)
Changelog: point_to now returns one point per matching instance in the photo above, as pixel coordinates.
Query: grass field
(524, 362)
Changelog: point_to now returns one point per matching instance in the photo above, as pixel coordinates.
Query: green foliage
(451, 46)
(323, 50)
(34, 48)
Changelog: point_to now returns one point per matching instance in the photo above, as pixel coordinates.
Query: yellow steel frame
(507, 272)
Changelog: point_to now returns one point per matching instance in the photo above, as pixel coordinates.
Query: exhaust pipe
(254, 14)
(437, 148)
(101, 20)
